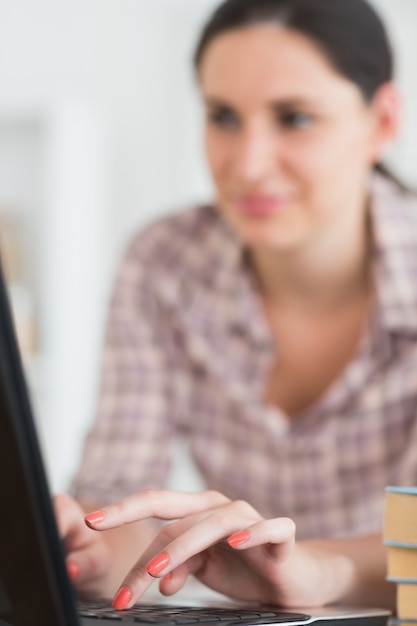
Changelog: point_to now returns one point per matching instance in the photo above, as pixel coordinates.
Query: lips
(261, 206)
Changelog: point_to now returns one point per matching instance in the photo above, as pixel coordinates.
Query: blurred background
(100, 130)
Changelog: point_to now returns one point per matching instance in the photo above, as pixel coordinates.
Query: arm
(354, 570)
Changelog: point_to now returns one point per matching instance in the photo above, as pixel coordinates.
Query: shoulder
(394, 215)
(181, 247)
(167, 235)
(394, 234)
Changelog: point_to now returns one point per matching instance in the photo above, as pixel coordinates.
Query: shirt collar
(219, 291)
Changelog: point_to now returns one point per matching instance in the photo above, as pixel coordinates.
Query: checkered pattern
(188, 350)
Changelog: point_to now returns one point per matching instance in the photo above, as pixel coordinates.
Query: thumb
(70, 520)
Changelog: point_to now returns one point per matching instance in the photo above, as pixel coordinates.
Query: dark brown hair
(349, 33)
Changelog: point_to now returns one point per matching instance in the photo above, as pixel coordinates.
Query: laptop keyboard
(166, 615)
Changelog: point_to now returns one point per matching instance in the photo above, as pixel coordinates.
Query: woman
(277, 329)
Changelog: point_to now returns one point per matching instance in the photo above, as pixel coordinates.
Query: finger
(70, 521)
(179, 543)
(88, 563)
(128, 593)
(278, 535)
(161, 504)
(138, 580)
(73, 570)
(175, 580)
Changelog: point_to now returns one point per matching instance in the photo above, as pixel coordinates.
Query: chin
(279, 233)
(264, 239)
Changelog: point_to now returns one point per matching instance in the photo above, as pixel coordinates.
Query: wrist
(333, 572)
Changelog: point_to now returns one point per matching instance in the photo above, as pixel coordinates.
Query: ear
(386, 110)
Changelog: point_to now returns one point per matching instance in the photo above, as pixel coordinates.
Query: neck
(332, 271)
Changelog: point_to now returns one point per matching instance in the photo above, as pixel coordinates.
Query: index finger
(160, 504)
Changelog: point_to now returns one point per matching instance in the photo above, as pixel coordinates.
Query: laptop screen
(34, 589)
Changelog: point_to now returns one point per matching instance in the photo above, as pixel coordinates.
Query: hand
(226, 545)
(88, 556)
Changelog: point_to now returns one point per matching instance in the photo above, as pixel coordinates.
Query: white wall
(401, 18)
(108, 91)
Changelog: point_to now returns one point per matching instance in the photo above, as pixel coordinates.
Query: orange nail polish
(122, 598)
(237, 539)
(95, 517)
(157, 564)
(73, 570)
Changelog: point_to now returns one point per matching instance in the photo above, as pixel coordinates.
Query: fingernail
(237, 539)
(157, 564)
(73, 570)
(122, 598)
(95, 517)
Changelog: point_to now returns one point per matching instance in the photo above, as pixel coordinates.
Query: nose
(255, 156)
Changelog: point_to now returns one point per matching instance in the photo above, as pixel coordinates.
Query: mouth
(261, 206)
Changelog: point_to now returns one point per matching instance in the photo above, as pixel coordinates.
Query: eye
(294, 119)
(224, 118)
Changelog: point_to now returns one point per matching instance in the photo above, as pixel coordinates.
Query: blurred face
(288, 140)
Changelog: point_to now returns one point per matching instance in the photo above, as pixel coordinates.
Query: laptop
(34, 587)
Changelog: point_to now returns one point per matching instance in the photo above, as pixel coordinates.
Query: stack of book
(400, 535)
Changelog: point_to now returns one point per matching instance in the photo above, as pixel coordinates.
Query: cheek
(327, 171)
(217, 157)
(331, 157)
(212, 153)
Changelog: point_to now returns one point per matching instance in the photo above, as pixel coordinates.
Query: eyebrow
(277, 105)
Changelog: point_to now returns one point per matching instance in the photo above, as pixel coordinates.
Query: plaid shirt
(188, 350)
